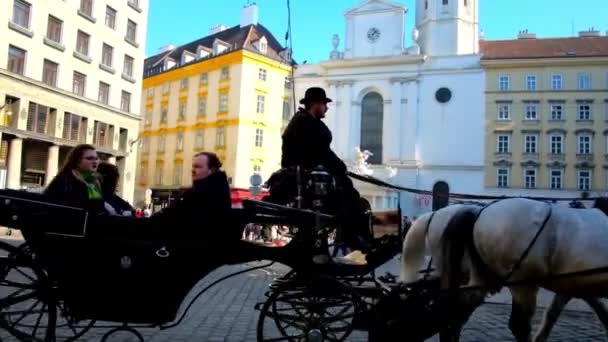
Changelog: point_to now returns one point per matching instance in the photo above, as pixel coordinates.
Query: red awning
(238, 195)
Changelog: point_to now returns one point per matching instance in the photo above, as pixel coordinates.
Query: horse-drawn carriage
(76, 268)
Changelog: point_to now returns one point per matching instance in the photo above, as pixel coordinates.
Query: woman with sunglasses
(78, 183)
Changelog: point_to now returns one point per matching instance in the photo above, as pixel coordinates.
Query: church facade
(418, 109)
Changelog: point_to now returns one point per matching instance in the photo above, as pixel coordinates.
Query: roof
(545, 48)
(237, 37)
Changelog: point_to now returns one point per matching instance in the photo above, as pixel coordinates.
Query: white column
(13, 177)
(332, 112)
(112, 160)
(20, 117)
(350, 125)
(52, 164)
(392, 141)
(409, 128)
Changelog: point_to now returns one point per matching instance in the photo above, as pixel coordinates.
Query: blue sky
(315, 21)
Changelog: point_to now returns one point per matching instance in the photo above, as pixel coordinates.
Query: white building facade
(418, 109)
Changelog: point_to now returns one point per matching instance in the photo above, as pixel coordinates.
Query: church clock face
(373, 34)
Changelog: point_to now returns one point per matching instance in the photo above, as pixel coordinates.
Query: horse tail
(414, 248)
(458, 238)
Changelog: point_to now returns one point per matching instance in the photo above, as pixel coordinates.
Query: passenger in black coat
(115, 205)
(204, 209)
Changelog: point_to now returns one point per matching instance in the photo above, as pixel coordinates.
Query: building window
(134, 3)
(584, 111)
(148, 116)
(260, 104)
(220, 138)
(225, 73)
(82, 43)
(530, 143)
(127, 68)
(125, 101)
(165, 88)
(16, 60)
(161, 143)
(584, 180)
(110, 17)
(286, 110)
(530, 178)
(163, 114)
(504, 83)
(21, 13)
(259, 137)
(557, 144)
(556, 177)
(531, 82)
(204, 80)
(79, 83)
(177, 174)
(53, 29)
(445, 2)
(102, 134)
(504, 111)
(145, 144)
(179, 141)
(583, 144)
(106, 55)
(158, 174)
(502, 178)
(150, 92)
(49, 72)
(86, 7)
(262, 74)
(584, 81)
(74, 127)
(199, 139)
(104, 93)
(531, 111)
(557, 82)
(181, 114)
(202, 106)
(257, 169)
(503, 144)
(223, 103)
(131, 31)
(288, 84)
(183, 84)
(557, 112)
(37, 118)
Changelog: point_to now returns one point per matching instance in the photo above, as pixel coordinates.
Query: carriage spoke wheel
(309, 311)
(29, 307)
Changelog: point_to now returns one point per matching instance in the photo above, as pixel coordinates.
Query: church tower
(448, 27)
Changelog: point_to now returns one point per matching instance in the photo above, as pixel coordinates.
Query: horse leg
(523, 306)
(600, 310)
(550, 317)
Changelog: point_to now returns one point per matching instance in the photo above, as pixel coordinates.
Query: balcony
(584, 157)
(502, 155)
(529, 156)
(556, 157)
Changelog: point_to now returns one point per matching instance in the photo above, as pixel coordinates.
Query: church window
(426, 4)
(466, 3)
(372, 112)
(445, 2)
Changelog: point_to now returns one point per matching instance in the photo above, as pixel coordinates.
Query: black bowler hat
(315, 94)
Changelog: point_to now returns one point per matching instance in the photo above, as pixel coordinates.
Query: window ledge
(222, 113)
(82, 57)
(531, 122)
(134, 7)
(128, 40)
(86, 16)
(23, 30)
(107, 68)
(503, 120)
(584, 121)
(54, 44)
(557, 120)
(128, 78)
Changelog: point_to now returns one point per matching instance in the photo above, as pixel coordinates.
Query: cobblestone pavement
(226, 313)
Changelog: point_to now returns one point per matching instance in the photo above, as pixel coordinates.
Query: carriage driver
(306, 143)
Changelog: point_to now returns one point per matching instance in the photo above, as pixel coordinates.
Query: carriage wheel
(317, 310)
(29, 307)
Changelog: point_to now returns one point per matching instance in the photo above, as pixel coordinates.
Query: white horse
(486, 248)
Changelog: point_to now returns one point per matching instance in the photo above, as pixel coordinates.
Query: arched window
(372, 108)
(441, 195)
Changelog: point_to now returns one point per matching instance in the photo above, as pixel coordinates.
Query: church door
(441, 195)
(372, 112)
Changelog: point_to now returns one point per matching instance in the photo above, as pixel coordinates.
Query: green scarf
(92, 185)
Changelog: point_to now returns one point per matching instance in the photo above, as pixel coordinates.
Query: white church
(418, 109)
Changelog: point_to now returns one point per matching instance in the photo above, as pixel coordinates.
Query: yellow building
(546, 115)
(228, 93)
(69, 75)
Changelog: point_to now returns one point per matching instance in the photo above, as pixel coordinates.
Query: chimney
(592, 32)
(249, 15)
(526, 35)
(166, 48)
(216, 29)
